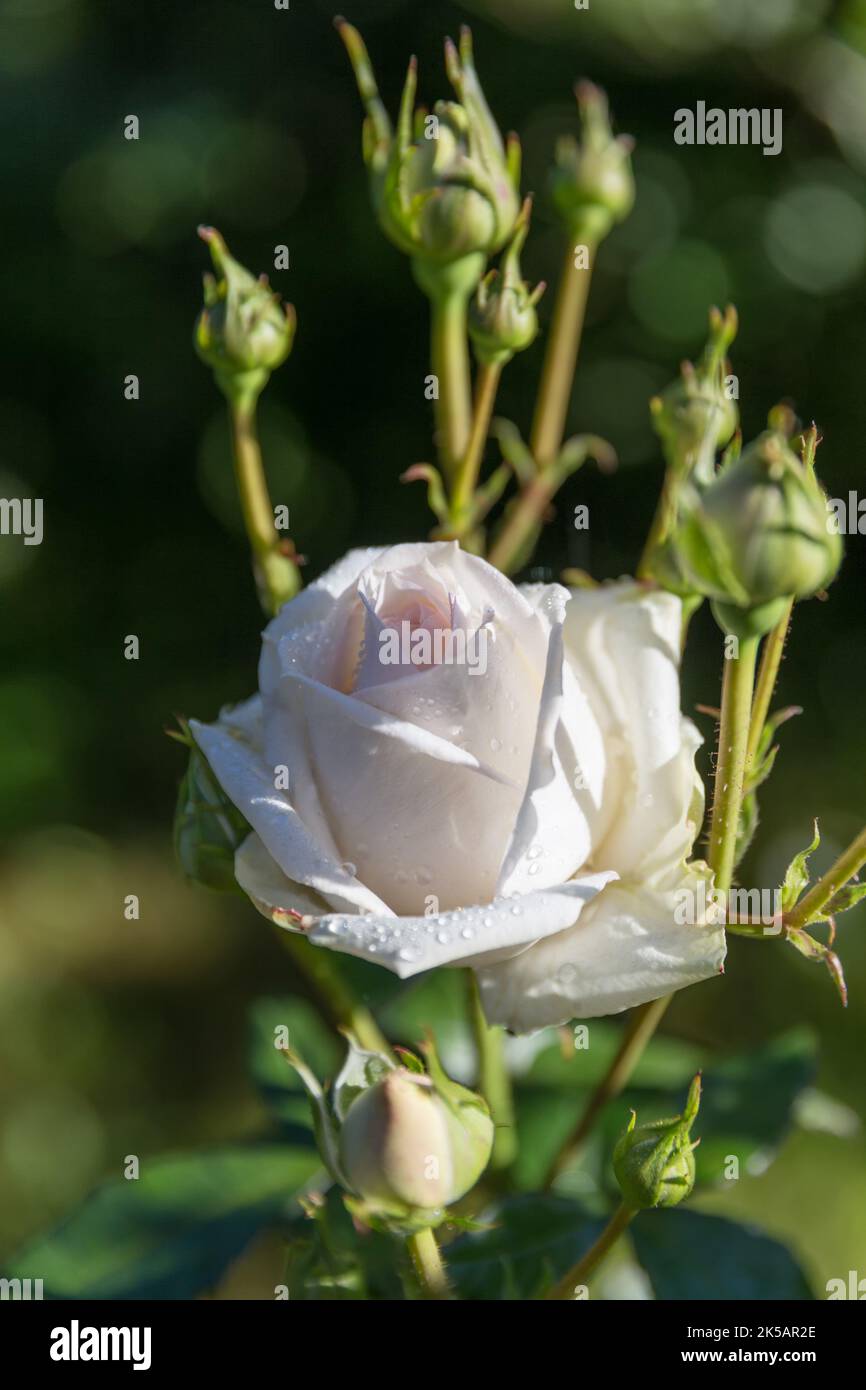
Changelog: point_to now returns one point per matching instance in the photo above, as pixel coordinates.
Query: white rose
(524, 804)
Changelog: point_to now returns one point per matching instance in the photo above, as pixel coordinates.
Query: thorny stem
(428, 1264)
(494, 1080)
(771, 657)
(732, 768)
(579, 1273)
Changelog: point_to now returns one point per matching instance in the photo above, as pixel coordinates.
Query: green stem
(849, 863)
(449, 360)
(486, 387)
(579, 1273)
(641, 1026)
(335, 998)
(662, 522)
(277, 576)
(771, 657)
(494, 1080)
(428, 1263)
(732, 767)
(560, 358)
(522, 521)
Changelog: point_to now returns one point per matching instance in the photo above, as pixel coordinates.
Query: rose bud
(502, 317)
(592, 183)
(693, 416)
(242, 333)
(415, 1143)
(452, 190)
(758, 534)
(654, 1163)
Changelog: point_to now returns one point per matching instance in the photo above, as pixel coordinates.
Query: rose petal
(233, 747)
(410, 945)
(626, 949)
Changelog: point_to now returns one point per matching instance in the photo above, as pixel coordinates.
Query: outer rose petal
(233, 749)
(626, 949)
(623, 642)
(466, 936)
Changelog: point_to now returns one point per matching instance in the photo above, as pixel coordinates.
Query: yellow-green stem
(768, 671)
(486, 387)
(449, 359)
(428, 1264)
(277, 575)
(732, 764)
(494, 1080)
(849, 863)
(560, 358)
(578, 1274)
(640, 1028)
(522, 521)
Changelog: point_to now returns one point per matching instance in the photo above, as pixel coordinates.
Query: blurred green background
(121, 1037)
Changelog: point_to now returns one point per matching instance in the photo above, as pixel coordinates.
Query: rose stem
(278, 575)
(640, 1028)
(340, 1005)
(428, 1264)
(580, 1272)
(494, 1079)
(560, 358)
(849, 863)
(551, 409)
(733, 763)
(486, 387)
(449, 360)
(768, 671)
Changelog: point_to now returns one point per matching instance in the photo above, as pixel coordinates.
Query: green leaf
(171, 1232)
(689, 1255)
(797, 875)
(535, 1240)
(295, 1022)
(846, 898)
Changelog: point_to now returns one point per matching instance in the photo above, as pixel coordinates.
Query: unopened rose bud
(411, 1143)
(694, 416)
(654, 1163)
(443, 185)
(243, 332)
(758, 533)
(502, 317)
(592, 183)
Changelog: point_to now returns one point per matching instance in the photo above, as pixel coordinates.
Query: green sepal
(797, 873)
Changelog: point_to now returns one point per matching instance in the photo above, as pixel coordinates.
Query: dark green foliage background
(119, 1037)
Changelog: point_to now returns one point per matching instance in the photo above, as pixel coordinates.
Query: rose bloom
(525, 804)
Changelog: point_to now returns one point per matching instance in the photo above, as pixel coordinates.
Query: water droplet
(489, 921)
(533, 869)
(349, 868)
(443, 937)
(408, 954)
(468, 933)
(516, 911)
(495, 744)
(423, 875)
(535, 852)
